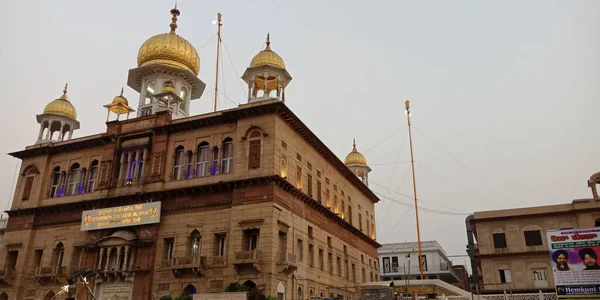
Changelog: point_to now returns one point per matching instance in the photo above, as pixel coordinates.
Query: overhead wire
(411, 197)
(234, 69)
(392, 176)
(378, 143)
(463, 165)
(458, 185)
(429, 210)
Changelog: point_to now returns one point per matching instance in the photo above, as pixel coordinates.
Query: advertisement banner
(574, 259)
(121, 216)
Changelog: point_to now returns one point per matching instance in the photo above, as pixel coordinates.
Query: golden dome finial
(268, 40)
(169, 49)
(175, 13)
(267, 57)
(122, 88)
(64, 95)
(355, 158)
(62, 106)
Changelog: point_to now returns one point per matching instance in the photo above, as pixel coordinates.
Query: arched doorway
(189, 289)
(49, 295)
(3, 296)
(280, 291)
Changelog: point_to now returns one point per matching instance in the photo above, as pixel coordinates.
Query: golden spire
(268, 40)
(355, 158)
(121, 91)
(174, 12)
(64, 95)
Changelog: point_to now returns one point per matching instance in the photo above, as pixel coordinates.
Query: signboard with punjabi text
(574, 260)
(121, 216)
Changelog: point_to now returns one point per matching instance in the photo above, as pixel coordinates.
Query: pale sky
(510, 89)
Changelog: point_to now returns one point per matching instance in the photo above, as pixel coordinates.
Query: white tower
(266, 76)
(357, 163)
(167, 63)
(58, 121)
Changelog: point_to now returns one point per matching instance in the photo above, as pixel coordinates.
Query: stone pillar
(62, 128)
(117, 265)
(131, 260)
(108, 253)
(266, 83)
(41, 131)
(49, 128)
(71, 134)
(126, 259)
(100, 258)
(249, 91)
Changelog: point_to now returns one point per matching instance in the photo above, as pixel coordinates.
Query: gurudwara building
(168, 203)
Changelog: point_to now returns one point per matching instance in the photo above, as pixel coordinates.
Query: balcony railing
(129, 182)
(414, 268)
(186, 262)
(289, 258)
(7, 271)
(218, 262)
(250, 256)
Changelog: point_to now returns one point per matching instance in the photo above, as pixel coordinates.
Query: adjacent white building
(400, 261)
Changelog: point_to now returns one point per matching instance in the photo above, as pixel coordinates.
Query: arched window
(202, 160)
(300, 296)
(227, 158)
(254, 149)
(149, 92)
(49, 296)
(195, 243)
(29, 178)
(178, 166)
(189, 169)
(73, 179)
(183, 94)
(58, 255)
(190, 289)
(55, 182)
(61, 184)
(82, 179)
(91, 185)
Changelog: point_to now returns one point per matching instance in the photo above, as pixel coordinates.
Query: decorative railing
(188, 261)
(218, 261)
(52, 271)
(7, 271)
(129, 182)
(287, 258)
(247, 256)
(533, 296)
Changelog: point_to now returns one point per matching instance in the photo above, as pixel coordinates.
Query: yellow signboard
(121, 216)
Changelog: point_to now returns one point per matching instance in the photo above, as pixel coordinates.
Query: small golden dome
(169, 49)
(168, 87)
(119, 105)
(267, 57)
(61, 106)
(355, 158)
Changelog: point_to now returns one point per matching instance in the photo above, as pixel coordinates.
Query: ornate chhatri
(61, 106)
(169, 49)
(267, 57)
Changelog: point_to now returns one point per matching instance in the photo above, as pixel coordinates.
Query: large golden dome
(355, 158)
(61, 106)
(169, 49)
(267, 57)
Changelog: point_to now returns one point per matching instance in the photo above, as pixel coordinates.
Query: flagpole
(412, 162)
(219, 25)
